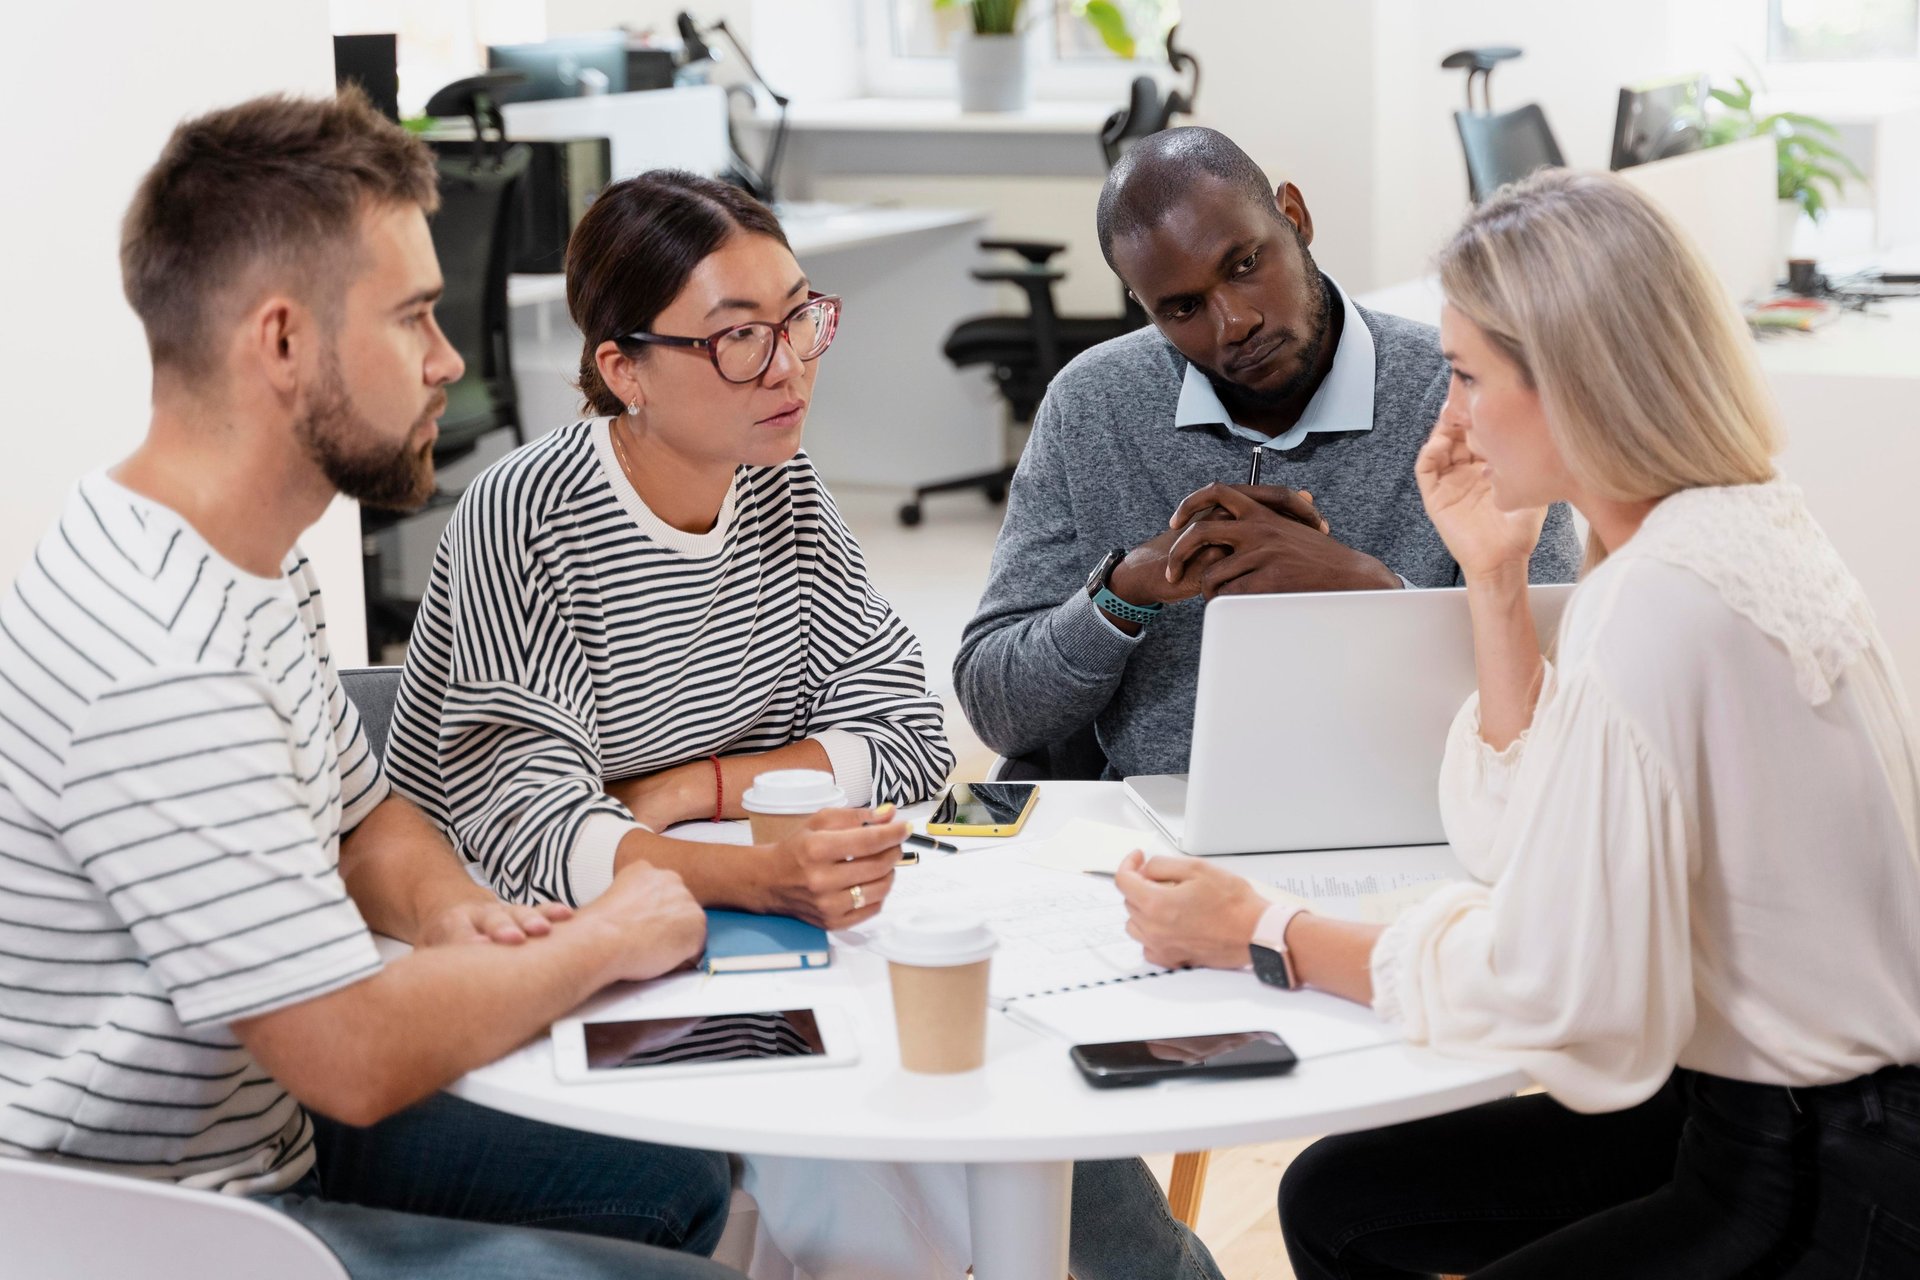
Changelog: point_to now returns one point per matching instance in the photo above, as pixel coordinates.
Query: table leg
(1019, 1215)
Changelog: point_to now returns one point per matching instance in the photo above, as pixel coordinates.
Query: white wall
(1348, 101)
(73, 365)
(1292, 81)
(567, 16)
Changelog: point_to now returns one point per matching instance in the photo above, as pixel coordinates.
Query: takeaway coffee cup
(780, 801)
(938, 961)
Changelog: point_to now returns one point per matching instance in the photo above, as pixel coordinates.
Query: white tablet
(589, 1050)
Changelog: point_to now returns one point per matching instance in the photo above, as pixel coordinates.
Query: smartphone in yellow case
(984, 809)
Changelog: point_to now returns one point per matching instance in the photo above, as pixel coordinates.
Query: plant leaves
(1809, 122)
(1106, 18)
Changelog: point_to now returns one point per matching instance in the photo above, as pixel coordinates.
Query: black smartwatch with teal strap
(1110, 604)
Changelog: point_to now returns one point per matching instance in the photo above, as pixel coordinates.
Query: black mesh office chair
(1500, 147)
(473, 239)
(1025, 351)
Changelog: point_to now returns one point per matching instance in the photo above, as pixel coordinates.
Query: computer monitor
(372, 62)
(1659, 119)
(569, 67)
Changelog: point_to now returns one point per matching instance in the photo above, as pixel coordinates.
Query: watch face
(1098, 578)
(1270, 967)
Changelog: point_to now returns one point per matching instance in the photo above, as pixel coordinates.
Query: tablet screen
(725, 1037)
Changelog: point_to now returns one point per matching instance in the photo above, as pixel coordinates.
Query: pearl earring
(633, 409)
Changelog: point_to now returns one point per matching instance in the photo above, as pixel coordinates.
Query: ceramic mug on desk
(938, 964)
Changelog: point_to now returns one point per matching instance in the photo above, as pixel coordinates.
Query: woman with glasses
(631, 618)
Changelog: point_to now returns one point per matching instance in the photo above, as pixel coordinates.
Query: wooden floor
(1237, 1217)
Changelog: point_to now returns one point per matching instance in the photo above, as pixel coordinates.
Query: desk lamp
(758, 183)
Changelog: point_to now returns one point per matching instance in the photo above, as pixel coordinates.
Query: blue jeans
(1707, 1180)
(447, 1190)
(1122, 1229)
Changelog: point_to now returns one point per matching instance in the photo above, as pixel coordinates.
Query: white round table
(1019, 1122)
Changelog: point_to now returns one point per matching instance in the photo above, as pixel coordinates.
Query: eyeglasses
(742, 352)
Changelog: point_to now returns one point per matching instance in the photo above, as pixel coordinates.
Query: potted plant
(1811, 169)
(991, 60)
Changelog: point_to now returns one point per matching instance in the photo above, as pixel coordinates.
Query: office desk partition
(1020, 1121)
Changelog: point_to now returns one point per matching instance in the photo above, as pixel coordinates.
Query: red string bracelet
(719, 791)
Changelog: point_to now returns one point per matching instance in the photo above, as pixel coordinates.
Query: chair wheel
(910, 514)
(996, 494)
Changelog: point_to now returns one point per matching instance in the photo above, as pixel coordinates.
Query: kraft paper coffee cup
(938, 962)
(780, 801)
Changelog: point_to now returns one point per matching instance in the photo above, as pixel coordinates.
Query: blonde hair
(1644, 366)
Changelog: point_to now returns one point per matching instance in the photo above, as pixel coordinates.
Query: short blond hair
(1644, 366)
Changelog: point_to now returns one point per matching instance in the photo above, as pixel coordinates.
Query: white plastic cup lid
(934, 938)
(793, 791)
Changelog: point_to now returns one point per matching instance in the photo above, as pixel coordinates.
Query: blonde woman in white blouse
(1695, 918)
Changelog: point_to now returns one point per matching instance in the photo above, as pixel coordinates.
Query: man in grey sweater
(1132, 504)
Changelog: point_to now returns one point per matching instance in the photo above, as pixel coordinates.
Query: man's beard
(391, 477)
(1231, 392)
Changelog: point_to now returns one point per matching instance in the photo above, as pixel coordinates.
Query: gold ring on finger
(859, 893)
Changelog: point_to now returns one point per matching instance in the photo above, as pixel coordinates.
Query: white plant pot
(992, 71)
(1790, 215)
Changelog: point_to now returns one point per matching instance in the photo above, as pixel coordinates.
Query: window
(1148, 20)
(1842, 30)
(908, 46)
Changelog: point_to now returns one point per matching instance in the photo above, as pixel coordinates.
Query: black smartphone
(1238, 1053)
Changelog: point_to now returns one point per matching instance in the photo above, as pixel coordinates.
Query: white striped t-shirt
(569, 637)
(177, 764)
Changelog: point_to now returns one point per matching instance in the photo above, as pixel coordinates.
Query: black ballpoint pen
(928, 842)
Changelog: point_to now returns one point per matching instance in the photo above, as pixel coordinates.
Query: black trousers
(1710, 1178)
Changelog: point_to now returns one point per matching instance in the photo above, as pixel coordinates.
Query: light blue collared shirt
(1344, 401)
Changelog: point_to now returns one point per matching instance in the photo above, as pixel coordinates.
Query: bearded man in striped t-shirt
(195, 836)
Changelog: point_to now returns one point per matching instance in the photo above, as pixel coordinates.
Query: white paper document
(1055, 930)
(1369, 897)
(1197, 1002)
(1097, 848)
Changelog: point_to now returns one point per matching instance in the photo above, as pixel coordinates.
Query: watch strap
(1111, 604)
(1270, 936)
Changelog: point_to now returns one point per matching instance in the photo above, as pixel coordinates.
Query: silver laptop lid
(1321, 719)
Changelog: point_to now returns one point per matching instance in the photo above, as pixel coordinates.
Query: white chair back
(68, 1224)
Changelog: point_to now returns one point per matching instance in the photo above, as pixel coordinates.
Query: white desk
(933, 137)
(1019, 1122)
(888, 409)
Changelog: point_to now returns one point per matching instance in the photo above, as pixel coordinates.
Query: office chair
(1024, 352)
(473, 236)
(1504, 147)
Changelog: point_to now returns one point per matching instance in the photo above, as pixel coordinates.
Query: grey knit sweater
(1104, 468)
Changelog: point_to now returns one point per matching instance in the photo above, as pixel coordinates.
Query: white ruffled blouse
(1703, 850)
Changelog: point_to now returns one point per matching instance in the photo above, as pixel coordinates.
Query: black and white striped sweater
(569, 638)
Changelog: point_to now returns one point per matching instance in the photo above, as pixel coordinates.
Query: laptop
(1321, 719)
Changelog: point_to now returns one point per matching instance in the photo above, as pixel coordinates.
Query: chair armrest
(1022, 276)
(1034, 251)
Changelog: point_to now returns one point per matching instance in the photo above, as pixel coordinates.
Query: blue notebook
(740, 942)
